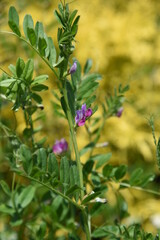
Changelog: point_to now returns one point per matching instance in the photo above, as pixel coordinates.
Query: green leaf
(14, 21)
(26, 196)
(27, 23)
(74, 29)
(13, 15)
(16, 223)
(37, 98)
(12, 68)
(90, 100)
(136, 175)
(52, 51)
(101, 159)
(39, 30)
(91, 78)
(74, 180)
(106, 231)
(90, 197)
(76, 76)
(87, 90)
(42, 158)
(28, 70)
(39, 79)
(20, 65)
(58, 17)
(88, 66)
(146, 179)
(71, 98)
(5, 188)
(88, 166)
(59, 62)
(7, 210)
(72, 16)
(120, 172)
(108, 171)
(64, 173)
(53, 165)
(26, 158)
(87, 148)
(72, 189)
(76, 20)
(32, 36)
(42, 45)
(39, 87)
(7, 82)
(63, 104)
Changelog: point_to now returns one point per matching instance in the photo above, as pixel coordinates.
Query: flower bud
(60, 146)
(73, 68)
(119, 112)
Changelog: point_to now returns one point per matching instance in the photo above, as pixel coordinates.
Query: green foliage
(55, 195)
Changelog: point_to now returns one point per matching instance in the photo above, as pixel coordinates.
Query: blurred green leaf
(28, 70)
(27, 24)
(32, 36)
(90, 197)
(120, 172)
(53, 165)
(42, 45)
(7, 210)
(26, 196)
(20, 65)
(39, 87)
(39, 79)
(64, 173)
(88, 66)
(26, 158)
(14, 21)
(5, 188)
(52, 51)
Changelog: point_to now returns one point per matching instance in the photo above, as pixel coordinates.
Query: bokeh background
(123, 39)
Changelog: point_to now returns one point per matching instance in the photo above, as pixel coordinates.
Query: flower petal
(88, 112)
(81, 122)
(84, 108)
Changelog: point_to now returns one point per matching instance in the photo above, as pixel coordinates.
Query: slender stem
(140, 189)
(86, 225)
(73, 136)
(43, 58)
(55, 191)
(13, 183)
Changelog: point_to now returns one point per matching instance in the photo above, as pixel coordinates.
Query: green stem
(75, 145)
(79, 166)
(86, 225)
(13, 191)
(55, 191)
(140, 188)
(43, 58)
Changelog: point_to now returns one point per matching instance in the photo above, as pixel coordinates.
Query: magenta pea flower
(73, 68)
(82, 115)
(119, 112)
(60, 146)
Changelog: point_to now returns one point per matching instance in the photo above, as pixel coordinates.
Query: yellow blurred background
(123, 39)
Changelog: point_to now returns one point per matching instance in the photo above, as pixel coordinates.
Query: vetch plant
(55, 199)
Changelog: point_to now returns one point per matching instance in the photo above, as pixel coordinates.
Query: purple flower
(60, 146)
(73, 68)
(82, 115)
(119, 112)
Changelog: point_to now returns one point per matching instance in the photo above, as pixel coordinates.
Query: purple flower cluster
(60, 146)
(73, 68)
(82, 115)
